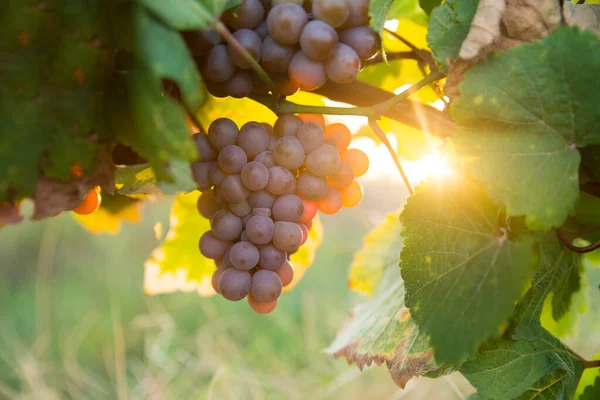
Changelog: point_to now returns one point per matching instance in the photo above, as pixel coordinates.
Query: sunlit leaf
(592, 392)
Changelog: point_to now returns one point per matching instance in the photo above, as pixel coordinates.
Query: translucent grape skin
(333, 12)
(363, 39)
(226, 226)
(200, 174)
(253, 139)
(222, 132)
(285, 86)
(271, 257)
(281, 180)
(331, 203)
(323, 161)
(287, 236)
(215, 277)
(275, 56)
(255, 176)
(261, 308)
(217, 65)
(288, 207)
(304, 233)
(286, 273)
(240, 209)
(310, 135)
(240, 85)
(234, 284)
(216, 174)
(306, 73)
(289, 153)
(352, 195)
(342, 178)
(358, 13)
(266, 286)
(344, 64)
(318, 40)
(287, 125)
(338, 135)
(310, 211)
(232, 159)
(263, 211)
(205, 150)
(251, 42)
(247, 16)
(260, 229)
(311, 187)
(233, 190)
(244, 256)
(267, 158)
(314, 118)
(211, 247)
(207, 205)
(358, 160)
(285, 22)
(261, 199)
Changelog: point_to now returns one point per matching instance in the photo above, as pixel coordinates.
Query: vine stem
(381, 135)
(564, 238)
(233, 42)
(591, 364)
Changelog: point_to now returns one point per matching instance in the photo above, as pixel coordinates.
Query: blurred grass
(75, 324)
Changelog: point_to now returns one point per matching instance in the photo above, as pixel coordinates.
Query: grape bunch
(262, 186)
(299, 44)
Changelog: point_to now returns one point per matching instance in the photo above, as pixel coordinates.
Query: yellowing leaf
(303, 258)
(177, 265)
(238, 110)
(103, 221)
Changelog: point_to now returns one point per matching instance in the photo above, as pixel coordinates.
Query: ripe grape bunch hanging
(262, 186)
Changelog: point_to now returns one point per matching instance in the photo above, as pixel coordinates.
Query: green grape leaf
(505, 369)
(531, 122)
(381, 248)
(592, 392)
(429, 5)
(140, 179)
(587, 211)
(559, 384)
(189, 14)
(177, 264)
(462, 273)
(448, 28)
(383, 10)
(382, 330)
(558, 275)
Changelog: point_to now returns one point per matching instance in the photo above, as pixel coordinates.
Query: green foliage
(592, 392)
(384, 10)
(429, 5)
(448, 27)
(457, 256)
(188, 14)
(140, 179)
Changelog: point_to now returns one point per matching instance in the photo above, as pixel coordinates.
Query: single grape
(363, 39)
(268, 128)
(247, 16)
(288, 207)
(244, 256)
(310, 211)
(358, 13)
(253, 139)
(309, 225)
(216, 174)
(342, 178)
(222, 132)
(267, 158)
(306, 73)
(240, 209)
(289, 153)
(331, 203)
(240, 85)
(323, 161)
(211, 247)
(287, 125)
(318, 40)
(266, 286)
(226, 225)
(285, 86)
(217, 65)
(234, 284)
(304, 233)
(200, 174)
(287, 236)
(271, 257)
(262, 211)
(311, 187)
(215, 277)
(310, 136)
(251, 42)
(200, 42)
(219, 196)
(358, 160)
(286, 273)
(226, 260)
(333, 12)
(261, 308)
(261, 199)
(255, 176)
(205, 150)
(232, 159)
(216, 89)
(352, 195)
(233, 190)
(275, 56)
(314, 118)
(272, 144)
(261, 30)
(281, 180)
(343, 65)
(338, 135)
(260, 229)
(285, 22)
(207, 205)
